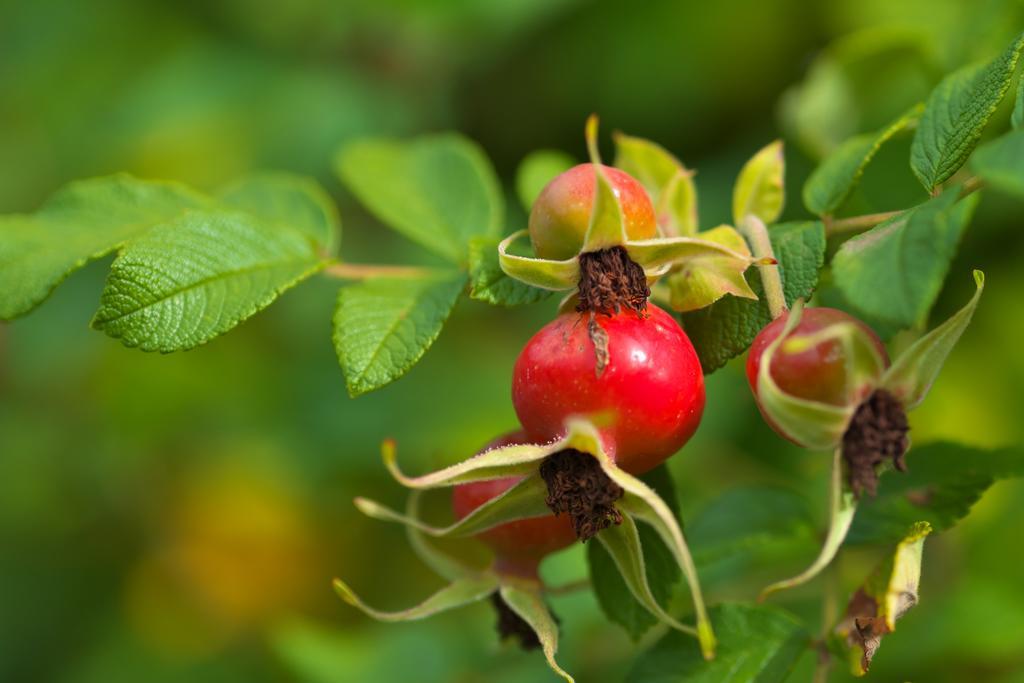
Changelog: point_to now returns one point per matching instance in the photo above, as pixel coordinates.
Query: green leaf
(759, 188)
(85, 220)
(489, 283)
(537, 170)
(912, 374)
(439, 191)
(197, 276)
(667, 181)
(833, 180)
(383, 326)
(942, 482)
(1000, 163)
(887, 595)
(613, 595)
(459, 592)
(956, 114)
(895, 270)
(525, 600)
(757, 644)
(726, 329)
(1017, 118)
(291, 201)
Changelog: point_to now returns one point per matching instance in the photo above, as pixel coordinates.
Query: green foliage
(1017, 118)
(198, 275)
(1000, 163)
(383, 326)
(896, 270)
(489, 283)
(614, 596)
(86, 220)
(956, 114)
(943, 481)
(758, 644)
(667, 181)
(759, 187)
(837, 176)
(438, 191)
(536, 170)
(725, 329)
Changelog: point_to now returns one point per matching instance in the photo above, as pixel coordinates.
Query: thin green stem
(755, 230)
(363, 271)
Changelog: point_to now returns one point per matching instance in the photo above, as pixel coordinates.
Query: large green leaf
(943, 481)
(613, 595)
(537, 170)
(198, 275)
(85, 220)
(1000, 163)
(833, 181)
(757, 644)
(726, 329)
(291, 201)
(488, 282)
(759, 188)
(383, 326)
(438, 191)
(896, 270)
(956, 114)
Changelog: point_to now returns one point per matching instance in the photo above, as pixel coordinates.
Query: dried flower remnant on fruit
(579, 487)
(511, 625)
(611, 281)
(877, 434)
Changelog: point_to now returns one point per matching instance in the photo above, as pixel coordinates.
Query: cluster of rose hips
(613, 387)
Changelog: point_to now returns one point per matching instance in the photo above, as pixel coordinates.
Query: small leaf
(526, 601)
(197, 276)
(667, 181)
(758, 644)
(942, 482)
(833, 180)
(842, 506)
(956, 114)
(537, 272)
(383, 326)
(537, 170)
(291, 201)
(759, 187)
(462, 591)
(84, 221)
(726, 329)
(613, 595)
(886, 596)
(895, 270)
(525, 499)
(607, 227)
(1000, 163)
(489, 283)
(438, 191)
(1017, 118)
(697, 283)
(912, 374)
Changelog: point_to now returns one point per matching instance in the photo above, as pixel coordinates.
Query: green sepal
(461, 591)
(667, 181)
(607, 227)
(539, 272)
(842, 506)
(812, 424)
(912, 374)
(885, 597)
(701, 281)
(442, 563)
(759, 188)
(524, 598)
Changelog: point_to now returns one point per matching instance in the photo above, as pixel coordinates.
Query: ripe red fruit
(520, 545)
(561, 214)
(818, 373)
(647, 401)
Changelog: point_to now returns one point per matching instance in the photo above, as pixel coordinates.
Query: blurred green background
(179, 518)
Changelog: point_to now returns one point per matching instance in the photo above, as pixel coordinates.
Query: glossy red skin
(648, 401)
(817, 374)
(520, 545)
(561, 215)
